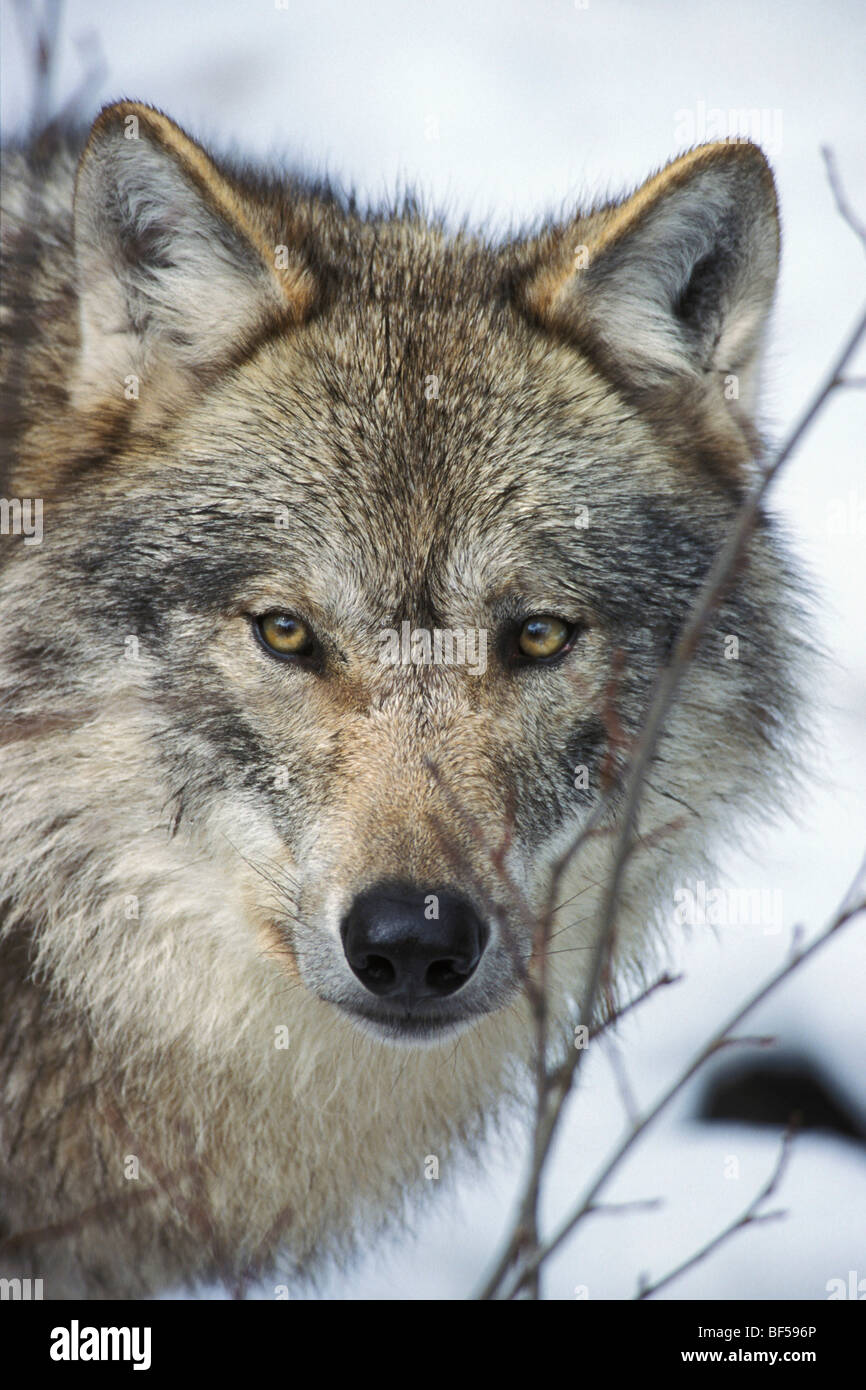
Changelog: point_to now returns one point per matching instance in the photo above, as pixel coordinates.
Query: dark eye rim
(310, 656)
(519, 659)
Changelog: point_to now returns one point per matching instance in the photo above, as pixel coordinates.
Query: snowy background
(502, 110)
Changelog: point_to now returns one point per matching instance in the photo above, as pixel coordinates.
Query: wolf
(268, 900)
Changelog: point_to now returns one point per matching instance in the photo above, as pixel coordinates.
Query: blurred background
(502, 111)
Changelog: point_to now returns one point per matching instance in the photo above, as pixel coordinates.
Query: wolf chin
(267, 901)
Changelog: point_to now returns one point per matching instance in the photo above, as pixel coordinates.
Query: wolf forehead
(515, 465)
(432, 400)
(435, 454)
(422, 436)
(419, 387)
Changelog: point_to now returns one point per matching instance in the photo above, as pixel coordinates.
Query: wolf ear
(175, 274)
(678, 279)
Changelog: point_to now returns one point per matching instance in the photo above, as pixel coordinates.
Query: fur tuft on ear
(175, 275)
(678, 279)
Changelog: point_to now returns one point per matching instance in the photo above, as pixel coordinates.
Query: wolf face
(296, 464)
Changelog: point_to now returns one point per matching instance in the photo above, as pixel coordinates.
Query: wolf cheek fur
(224, 817)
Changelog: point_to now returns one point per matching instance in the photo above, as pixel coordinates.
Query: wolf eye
(285, 635)
(543, 637)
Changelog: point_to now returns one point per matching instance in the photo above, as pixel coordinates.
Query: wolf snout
(408, 944)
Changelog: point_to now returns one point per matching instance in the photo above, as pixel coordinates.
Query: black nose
(411, 944)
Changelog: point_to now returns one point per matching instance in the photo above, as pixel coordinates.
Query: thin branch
(752, 1216)
(559, 1082)
(617, 1208)
(846, 212)
(616, 1019)
(627, 1096)
(846, 913)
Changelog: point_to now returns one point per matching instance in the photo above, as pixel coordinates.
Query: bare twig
(617, 1208)
(627, 1096)
(846, 212)
(752, 1216)
(852, 906)
(559, 1082)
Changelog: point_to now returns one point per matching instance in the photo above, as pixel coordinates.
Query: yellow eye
(543, 637)
(285, 635)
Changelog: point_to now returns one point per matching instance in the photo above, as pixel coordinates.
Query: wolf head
(363, 547)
